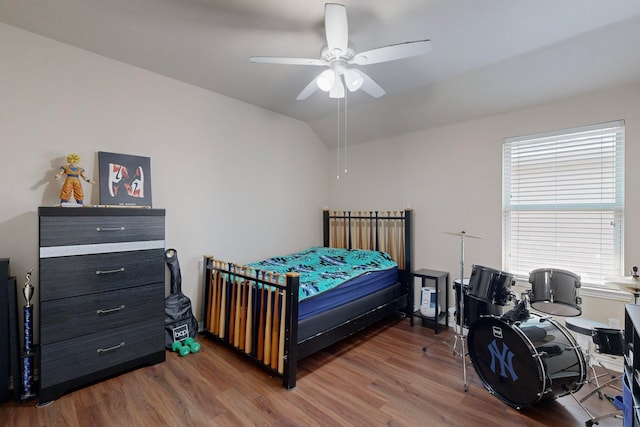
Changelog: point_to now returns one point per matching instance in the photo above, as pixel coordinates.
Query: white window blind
(563, 200)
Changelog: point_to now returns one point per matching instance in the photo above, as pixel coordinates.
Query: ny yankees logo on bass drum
(527, 361)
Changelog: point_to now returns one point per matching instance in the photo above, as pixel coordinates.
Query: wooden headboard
(388, 232)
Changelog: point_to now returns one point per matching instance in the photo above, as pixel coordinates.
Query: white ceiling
(488, 56)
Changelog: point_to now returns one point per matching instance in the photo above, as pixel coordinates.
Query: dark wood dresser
(102, 289)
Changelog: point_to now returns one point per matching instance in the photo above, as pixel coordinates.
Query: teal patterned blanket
(323, 268)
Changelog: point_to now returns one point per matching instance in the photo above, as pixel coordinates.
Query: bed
(273, 311)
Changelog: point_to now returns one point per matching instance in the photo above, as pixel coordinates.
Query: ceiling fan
(339, 57)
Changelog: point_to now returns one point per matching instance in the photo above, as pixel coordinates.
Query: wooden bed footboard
(256, 312)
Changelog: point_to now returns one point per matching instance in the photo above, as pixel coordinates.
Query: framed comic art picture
(125, 180)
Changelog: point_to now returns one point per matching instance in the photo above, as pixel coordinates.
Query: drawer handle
(117, 270)
(108, 349)
(109, 310)
(109, 229)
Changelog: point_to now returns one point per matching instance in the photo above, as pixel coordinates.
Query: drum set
(521, 357)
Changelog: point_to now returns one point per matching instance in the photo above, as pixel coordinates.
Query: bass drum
(525, 362)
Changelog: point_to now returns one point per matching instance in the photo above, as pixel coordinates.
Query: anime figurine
(72, 185)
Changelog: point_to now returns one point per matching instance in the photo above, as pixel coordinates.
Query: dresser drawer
(74, 358)
(86, 230)
(62, 277)
(73, 317)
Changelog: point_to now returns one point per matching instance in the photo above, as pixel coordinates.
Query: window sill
(606, 293)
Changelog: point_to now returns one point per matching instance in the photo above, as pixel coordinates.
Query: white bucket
(452, 321)
(452, 316)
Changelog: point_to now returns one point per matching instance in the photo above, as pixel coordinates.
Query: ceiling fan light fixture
(338, 55)
(337, 91)
(326, 80)
(354, 80)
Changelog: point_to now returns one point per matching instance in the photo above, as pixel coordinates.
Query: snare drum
(555, 292)
(527, 361)
(490, 285)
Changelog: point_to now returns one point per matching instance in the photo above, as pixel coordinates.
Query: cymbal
(632, 289)
(629, 283)
(463, 234)
(628, 280)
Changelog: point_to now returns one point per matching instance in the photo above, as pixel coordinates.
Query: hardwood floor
(380, 377)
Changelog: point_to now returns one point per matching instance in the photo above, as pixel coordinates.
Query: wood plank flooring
(380, 377)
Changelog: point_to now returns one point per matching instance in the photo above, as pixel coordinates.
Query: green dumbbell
(195, 347)
(183, 350)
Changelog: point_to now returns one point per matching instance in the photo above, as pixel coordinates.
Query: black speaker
(4, 330)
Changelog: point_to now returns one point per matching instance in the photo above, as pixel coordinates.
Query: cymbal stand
(459, 335)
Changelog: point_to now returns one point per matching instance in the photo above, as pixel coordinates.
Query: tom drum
(490, 285)
(527, 361)
(555, 292)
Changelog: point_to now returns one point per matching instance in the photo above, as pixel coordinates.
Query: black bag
(179, 322)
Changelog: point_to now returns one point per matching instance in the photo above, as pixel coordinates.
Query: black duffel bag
(179, 322)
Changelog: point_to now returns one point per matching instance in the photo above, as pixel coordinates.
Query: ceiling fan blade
(371, 87)
(337, 91)
(308, 90)
(287, 61)
(392, 52)
(336, 27)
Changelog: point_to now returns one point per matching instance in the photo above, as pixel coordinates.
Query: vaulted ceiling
(488, 56)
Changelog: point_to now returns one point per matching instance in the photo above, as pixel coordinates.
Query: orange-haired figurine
(72, 185)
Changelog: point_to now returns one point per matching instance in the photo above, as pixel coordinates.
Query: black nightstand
(437, 277)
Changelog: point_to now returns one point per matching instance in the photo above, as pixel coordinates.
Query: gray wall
(225, 171)
(452, 177)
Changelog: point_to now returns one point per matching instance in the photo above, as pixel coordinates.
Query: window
(563, 202)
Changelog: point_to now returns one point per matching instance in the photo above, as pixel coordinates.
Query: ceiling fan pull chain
(346, 124)
(338, 154)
